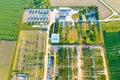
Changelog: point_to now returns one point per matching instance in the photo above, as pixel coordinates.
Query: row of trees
(41, 3)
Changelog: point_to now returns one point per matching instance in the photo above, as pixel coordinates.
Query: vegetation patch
(112, 46)
(80, 33)
(110, 26)
(114, 17)
(10, 18)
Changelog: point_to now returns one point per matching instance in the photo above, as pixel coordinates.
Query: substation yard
(93, 64)
(30, 52)
(77, 63)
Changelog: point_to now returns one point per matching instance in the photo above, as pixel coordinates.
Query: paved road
(104, 20)
(79, 63)
(46, 55)
(52, 20)
(109, 7)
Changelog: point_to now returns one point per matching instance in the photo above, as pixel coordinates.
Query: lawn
(6, 54)
(112, 46)
(10, 18)
(114, 17)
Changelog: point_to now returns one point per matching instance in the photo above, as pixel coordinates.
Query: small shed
(55, 38)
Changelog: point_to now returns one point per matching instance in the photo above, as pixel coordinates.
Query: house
(63, 13)
(22, 77)
(40, 79)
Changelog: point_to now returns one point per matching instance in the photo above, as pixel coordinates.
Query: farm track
(115, 4)
(114, 13)
(79, 64)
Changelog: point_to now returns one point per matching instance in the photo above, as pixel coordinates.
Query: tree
(92, 35)
(75, 16)
(119, 31)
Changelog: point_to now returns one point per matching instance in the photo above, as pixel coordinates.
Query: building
(91, 17)
(22, 77)
(55, 38)
(40, 79)
(63, 13)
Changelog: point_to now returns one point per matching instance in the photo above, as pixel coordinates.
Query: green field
(112, 45)
(111, 26)
(10, 17)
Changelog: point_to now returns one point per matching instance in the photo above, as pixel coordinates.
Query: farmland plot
(111, 34)
(30, 54)
(6, 54)
(111, 26)
(114, 4)
(112, 46)
(10, 17)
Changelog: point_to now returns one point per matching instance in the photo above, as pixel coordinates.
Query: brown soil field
(6, 53)
(115, 4)
(103, 11)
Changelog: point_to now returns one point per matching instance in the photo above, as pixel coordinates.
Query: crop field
(6, 54)
(30, 54)
(93, 65)
(112, 46)
(10, 18)
(103, 11)
(114, 4)
(111, 26)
